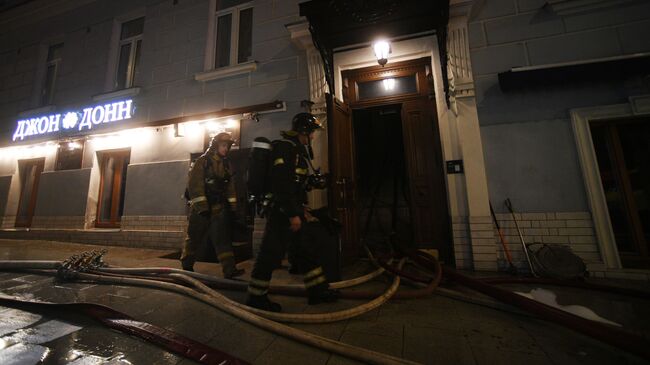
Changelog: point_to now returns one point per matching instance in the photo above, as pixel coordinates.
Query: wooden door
(342, 183)
(623, 155)
(423, 154)
(110, 204)
(29, 173)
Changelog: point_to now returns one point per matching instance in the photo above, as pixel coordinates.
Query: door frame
(638, 106)
(425, 91)
(397, 69)
(32, 205)
(623, 182)
(113, 223)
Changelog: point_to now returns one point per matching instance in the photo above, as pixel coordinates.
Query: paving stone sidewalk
(434, 330)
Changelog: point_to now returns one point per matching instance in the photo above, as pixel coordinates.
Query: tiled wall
(59, 222)
(173, 223)
(103, 237)
(8, 221)
(462, 244)
(162, 232)
(476, 240)
(573, 229)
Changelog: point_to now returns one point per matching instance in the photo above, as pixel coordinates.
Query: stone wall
(528, 143)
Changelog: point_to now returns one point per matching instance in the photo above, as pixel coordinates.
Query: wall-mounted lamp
(382, 50)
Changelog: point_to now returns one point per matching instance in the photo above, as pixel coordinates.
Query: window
(29, 173)
(113, 166)
(623, 156)
(129, 53)
(70, 155)
(51, 71)
(234, 33)
(387, 87)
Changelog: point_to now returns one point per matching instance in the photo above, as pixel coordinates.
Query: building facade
(562, 93)
(105, 103)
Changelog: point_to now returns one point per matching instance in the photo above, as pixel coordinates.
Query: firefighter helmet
(305, 123)
(221, 138)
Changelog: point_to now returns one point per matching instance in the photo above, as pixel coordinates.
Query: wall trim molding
(223, 72)
(580, 120)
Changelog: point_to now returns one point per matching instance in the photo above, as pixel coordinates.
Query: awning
(340, 23)
(602, 69)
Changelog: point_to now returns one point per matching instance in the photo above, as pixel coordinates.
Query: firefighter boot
(322, 294)
(262, 302)
(187, 265)
(229, 267)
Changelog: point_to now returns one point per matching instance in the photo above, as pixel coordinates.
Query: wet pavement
(434, 330)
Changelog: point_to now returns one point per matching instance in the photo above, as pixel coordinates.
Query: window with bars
(129, 50)
(51, 72)
(234, 33)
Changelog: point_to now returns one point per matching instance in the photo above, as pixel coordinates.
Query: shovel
(521, 237)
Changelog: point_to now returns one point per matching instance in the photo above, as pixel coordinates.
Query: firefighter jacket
(289, 172)
(210, 184)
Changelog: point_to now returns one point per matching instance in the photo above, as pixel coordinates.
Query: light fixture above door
(382, 50)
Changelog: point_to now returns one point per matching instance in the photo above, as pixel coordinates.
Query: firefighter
(213, 202)
(289, 178)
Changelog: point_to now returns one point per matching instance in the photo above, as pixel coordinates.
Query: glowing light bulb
(389, 84)
(382, 49)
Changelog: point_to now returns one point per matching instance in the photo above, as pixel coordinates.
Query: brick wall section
(477, 246)
(60, 222)
(103, 237)
(173, 223)
(161, 232)
(484, 251)
(462, 245)
(573, 229)
(8, 221)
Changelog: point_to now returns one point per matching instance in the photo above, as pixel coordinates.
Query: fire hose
(609, 334)
(218, 300)
(171, 341)
(623, 339)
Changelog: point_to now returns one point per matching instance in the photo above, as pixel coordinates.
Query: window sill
(228, 71)
(133, 91)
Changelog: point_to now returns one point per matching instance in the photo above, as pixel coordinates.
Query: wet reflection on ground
(30, 338)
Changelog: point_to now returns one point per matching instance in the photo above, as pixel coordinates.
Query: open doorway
(386, 162)
(112, 186)
(29, 173)
(623, 157)
(382, 180)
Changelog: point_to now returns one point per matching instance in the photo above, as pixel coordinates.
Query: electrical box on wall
(455, 167)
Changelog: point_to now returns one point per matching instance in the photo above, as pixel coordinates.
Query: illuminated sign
(85, 119)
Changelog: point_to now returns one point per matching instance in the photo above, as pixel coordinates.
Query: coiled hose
(227, 305)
